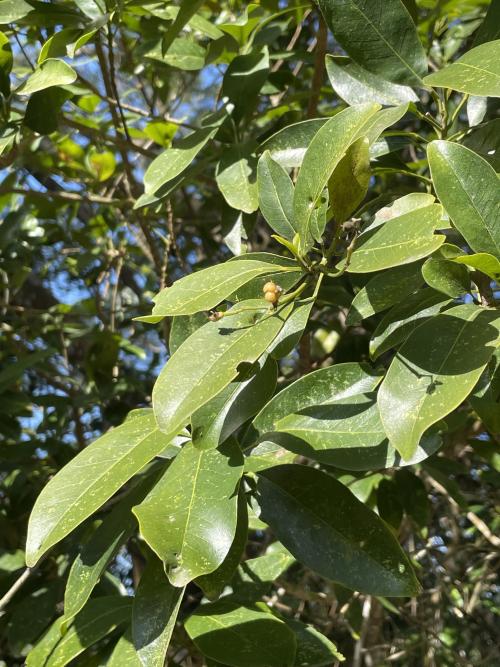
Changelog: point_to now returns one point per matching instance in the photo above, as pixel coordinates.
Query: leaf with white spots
(326, 528)
(189, 518)
(434, 371)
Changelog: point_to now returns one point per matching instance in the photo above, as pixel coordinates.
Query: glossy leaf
(325, 385)
(324, 153)
(154, 613)
(446, 276)
(477, 72)
(347, 434)
(212, 424)
(384, 290)
(325, 527)
(182, 327)
(404, 317)
(456, 172)
(99, 617)
(287, 147)
(205, 289)
(356, 85)
(291, 333)
(379, 35)
(401, 240)
(349, 182)
(211, 358)
(424, 384)
(189, 518)
(482, 261)
(213, 584)
(255, 576)
(51, 72)
(242, 636)
(96, 554)
(91, 478)
(237, 180)
(276, 196)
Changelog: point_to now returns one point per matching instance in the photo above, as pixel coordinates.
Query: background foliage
(133, 141)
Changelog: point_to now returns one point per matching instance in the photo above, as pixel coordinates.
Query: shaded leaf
(237, 180)
(242, 636)
(378, 35)
(325, 527)
(154, 613)
(349, 182)
(211, 357)
(446, 276)
(52, 72)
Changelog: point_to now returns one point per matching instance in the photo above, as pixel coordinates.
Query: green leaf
(324, 153)
(322, 386)
(205, 289)
(446, 276)
(242, 636)
(401, 240)
(154, 612)
(6, 61)
(124, 653)
(313, 648)
(384, 290)
(99, 617)
(276, 196)
(434, 371)
(291, 333)
(380, 36)
(403, 318)
(256, 576)
(482, 261)
(347, 434)
(349, 182)
(389, 504)
(189, 518)
(210, 358)
(486, 395)
(477, 72)
(236, 179)
(186, 11)
(213, 423)
(44, 108)
(356, 85)
(172, 162)
(285, 273)
(51, 72)
(182, 327)
(91, 478)
(183, 53)
(490, 27)
(287, 147)
(326, 528)
(413, 496)
(485, 141)
(96, 554)
(13, 10)
(456, 172)
(243, 79)
(213, 584)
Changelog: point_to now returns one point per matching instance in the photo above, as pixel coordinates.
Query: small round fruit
(270, 287)
(272, 297)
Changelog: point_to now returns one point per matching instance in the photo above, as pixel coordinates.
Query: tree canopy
(249, 363)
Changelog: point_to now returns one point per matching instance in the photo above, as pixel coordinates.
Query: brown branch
(319, 69)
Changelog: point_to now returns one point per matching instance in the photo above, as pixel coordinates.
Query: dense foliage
(292, 457)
